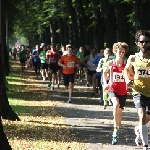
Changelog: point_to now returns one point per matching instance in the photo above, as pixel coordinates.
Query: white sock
(144, 134)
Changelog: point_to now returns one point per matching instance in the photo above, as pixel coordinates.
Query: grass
(41, 126)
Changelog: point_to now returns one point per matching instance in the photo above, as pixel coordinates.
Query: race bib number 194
(118, 77)
(71, 64)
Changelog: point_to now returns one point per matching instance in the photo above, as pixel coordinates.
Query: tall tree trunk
(99, 25)
(62, 33)
(109, 23)
(4, 145)
(6, 110)
(123, 32)
(73, 14)
(83, 19)
(81, 34)
(142, 14)
(47, 36)
(66, 31)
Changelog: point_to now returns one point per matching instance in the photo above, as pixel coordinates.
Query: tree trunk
(99, 25)
(6, 110)
(123, 32)
(74, 28)
(109, 23)
(142, 14)
(62, 33)
(47, 36)
(82, 34)
(83, 19)
(4, 144)
(66, 31)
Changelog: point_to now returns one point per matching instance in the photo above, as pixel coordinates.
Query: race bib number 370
(144, 72)
(71, 64)
(118, 77)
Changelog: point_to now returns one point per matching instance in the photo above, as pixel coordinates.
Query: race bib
(144, 72)
(71, 64)
(118, 77)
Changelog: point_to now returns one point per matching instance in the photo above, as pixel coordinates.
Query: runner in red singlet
(52, 59)
(117, 86)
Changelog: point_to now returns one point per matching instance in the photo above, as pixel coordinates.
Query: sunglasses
(144, 42)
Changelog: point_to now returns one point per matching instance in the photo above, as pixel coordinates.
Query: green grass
(41, 126)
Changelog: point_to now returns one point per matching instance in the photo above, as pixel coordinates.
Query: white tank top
(90, 63)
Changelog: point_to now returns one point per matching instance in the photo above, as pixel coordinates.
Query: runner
(91, 72)
(98, 73)
(36, 64)
(117, 85)
(74, 53)
(14, 52)
(59, 72)
(68, 63)
(23, 57)
(87, 52)
(101, 65)
(80, 56)
(44, 66)
(137, 75)
(52, 58)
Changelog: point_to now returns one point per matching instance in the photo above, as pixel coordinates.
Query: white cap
(42, 44)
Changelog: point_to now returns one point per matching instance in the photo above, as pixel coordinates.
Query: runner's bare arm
(60, 62)
(99, 67)
(85, 60)
(128, 71)
(105, 71)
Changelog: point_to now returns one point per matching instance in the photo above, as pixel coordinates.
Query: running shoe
(49, 85)
(87, 84)
(69, 101)
(138, 140)
(101, 100)
(105, 106)
(58, 85)
(115, 136)
(52, 87)
(145, 148)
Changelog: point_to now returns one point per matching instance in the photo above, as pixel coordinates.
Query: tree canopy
(100, 22)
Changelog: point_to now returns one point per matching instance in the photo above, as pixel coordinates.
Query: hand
(77, 65)
(130, 82)
(106, 86)
(64, 67)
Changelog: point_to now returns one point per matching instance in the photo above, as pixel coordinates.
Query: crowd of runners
(108, 71)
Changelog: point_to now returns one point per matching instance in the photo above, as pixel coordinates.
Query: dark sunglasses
(144, 42)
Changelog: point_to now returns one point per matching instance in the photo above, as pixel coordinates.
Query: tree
(142, 14)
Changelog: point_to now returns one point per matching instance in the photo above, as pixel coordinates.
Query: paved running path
(93, 125)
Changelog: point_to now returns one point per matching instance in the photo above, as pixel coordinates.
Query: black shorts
(122, 98)
(44, 66)
(91, 72)
(22, 61)
(68, 78)
(142, 101)
(98, 80)
(59, 68)
(81, 65)
(53, 68)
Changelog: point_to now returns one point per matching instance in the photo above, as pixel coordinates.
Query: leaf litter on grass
(41, 126)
